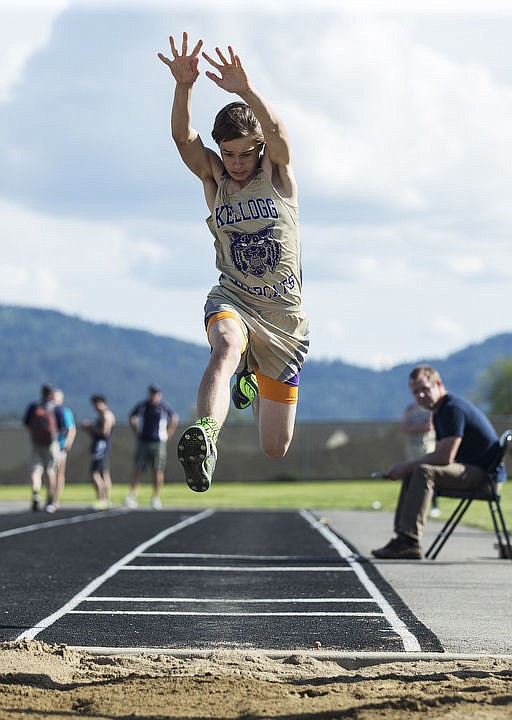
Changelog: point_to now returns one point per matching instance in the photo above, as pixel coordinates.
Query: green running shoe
(244, 390)
(198, 455)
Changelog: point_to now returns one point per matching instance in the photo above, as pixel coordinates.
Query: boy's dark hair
(234, 121)
(98, 398)
(46, 391)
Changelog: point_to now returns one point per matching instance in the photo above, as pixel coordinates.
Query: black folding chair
(489, 491)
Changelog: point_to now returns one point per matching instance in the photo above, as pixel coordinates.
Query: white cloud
(105, 272)
(449, 328)
(414, 292)
(25, 28)
(406, 127)
(466, 266)
(419, 7)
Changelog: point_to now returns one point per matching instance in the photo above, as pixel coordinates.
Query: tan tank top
(257, 245)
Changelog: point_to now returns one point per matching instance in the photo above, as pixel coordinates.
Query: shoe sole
(396, 556)
(192, 452)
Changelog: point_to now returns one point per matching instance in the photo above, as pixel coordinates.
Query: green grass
(328, 495)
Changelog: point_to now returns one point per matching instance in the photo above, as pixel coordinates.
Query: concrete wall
(337, 450)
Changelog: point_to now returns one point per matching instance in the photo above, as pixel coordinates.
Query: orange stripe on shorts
(276, 390)
(222, 315)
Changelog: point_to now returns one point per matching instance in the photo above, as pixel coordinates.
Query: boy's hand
(183, 67)
(233, 77)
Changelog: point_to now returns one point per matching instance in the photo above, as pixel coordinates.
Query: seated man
(466, 444)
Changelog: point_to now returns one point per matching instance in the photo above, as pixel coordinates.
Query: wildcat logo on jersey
(255, 253)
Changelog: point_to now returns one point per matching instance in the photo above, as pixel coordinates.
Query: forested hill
(83, 358)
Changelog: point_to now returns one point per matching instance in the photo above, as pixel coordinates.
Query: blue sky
(400, 115)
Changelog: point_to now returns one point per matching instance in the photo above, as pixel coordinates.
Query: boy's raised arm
(184, 69)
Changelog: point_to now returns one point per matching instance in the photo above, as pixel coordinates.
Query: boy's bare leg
(36, 481)
(51, 485)
(107, 486)
(97, 481)
(134, 485)
(158, 481)
(61, 479)
(213, 396)
(197, 451)
(276, 422)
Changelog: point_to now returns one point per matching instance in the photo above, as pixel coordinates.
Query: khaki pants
(418, 487)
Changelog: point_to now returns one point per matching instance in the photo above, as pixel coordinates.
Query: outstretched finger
(232, 55)
(212, 62)
(184, 44)
(219, 53)
(164, 59)
(213, 77)
(174, 49)
(195, 51)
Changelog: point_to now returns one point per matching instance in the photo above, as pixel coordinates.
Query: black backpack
(43, 426)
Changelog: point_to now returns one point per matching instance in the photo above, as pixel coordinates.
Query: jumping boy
(254, 320)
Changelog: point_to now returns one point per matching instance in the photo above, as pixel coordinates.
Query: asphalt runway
(196, 580)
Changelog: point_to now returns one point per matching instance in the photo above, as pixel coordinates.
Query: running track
(195, 580)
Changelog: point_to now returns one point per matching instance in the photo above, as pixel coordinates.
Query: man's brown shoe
(398, 549)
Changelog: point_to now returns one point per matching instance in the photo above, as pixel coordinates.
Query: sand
(57, 682)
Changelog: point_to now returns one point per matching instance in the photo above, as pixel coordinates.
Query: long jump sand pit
(57, 682)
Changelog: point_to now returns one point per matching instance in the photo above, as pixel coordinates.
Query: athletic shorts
(45, 457)
(276, 344)
(153, 454)
(100, 456)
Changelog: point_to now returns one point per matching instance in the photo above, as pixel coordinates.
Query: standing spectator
(153, 423)
(66, 438)
(43, 419)
(420, 439)
(101, 432)
(418, 429)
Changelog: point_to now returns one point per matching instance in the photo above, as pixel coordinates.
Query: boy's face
(241, 158)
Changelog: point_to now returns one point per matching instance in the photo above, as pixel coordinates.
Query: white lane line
(62, 521)
(216, 556)
(31, 633)
(226, 614)
(238, 601)
(235, 568)
(409, 640)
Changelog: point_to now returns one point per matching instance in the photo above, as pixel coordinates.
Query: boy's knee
(276, 447)
(228, 345)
